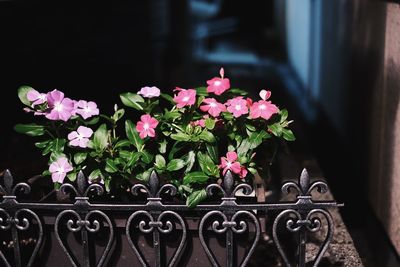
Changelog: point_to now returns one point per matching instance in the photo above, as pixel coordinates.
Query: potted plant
(190, 138)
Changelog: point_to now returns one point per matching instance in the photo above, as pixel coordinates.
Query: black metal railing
(225, 217)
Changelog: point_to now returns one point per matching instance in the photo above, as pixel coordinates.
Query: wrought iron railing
(158, 217)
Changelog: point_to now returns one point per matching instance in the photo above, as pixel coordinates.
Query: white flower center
(186, 98)
(217, 83)
(42, 97)
(262, 106)
(146, 126)
(58, 106)
(213, 105)
(60, 169)
(87, 109)
(238, 107)
(228, 164)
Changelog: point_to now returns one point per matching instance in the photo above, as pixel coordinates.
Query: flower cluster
(197, 134)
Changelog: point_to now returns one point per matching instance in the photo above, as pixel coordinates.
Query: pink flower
(185, 97)
(87, 109)
(201, 123)
(213, 107)
(263, 109)
(36, 97)
(237, 106)
(61, 108)
(243, 172)
(218, 85)
(80, 137)
(149, 92)
(146, 126)
(59, 169)
(230, 163)
(264, 94)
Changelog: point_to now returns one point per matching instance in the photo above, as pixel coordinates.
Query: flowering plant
(197, 134)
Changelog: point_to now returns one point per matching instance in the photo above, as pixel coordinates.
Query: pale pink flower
(59, 169)
(146, 126)
(230, 163)
(35, 97)
(263, 109)
(80, 137)
(237, 106)
(149, 92)
(61, 108)
(218, 85)
(87, 109)
(264, 94)
(213, 107)
(185, 97)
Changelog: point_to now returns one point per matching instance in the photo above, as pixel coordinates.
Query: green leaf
(132, 100)
(96, 174)
(207, 136)
(80, 157)
(46, 173)
(195, 177)
(252, 170)
(22, 92)
(237, 91)
(58, 144)
(133, 135)
(146, 156)
(284, 115)
(276, 129)
(92, 121)
(162, 146)
(207, 165)
(144, 176)
(180, 136)
(125, 154)
(48, 148)
(175, 164)
(42, 144)
(201, 91)
(122, 143)
(244, 147)
(100, 139)
(55, 155)
(72, 176)
(168, 98)
(133, 158)
(31, 129)
(288, 135)
(195, 198)
(250, 127)
(172, 115)
(160, 162)
(110, 166)
(191, 158)
(118, 114)
(210, 123)
(257, 138)
(227, 115)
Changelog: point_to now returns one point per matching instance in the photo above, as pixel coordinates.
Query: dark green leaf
(42, 144)
(227, 115)
(22, 92)
(132, 100)
(175, 164)
(146, 156)
(124, 154)
(92, 121)
(288, 135)
(79, 157)
(31, 129)
(251, 127)
(190, 159)
(195, 177)
(244, 147)
(122, 143)
(133, 135)
(284, 115)
(212, 151)
(168, 98)
(58, 144)
(96, 174)
(133, 158)
(276, 129)
(172, 115)
(195, 198)
(256, 138)
(100, 140)
(144, 176)
(110, 166)
(207, 165)
(237, 91)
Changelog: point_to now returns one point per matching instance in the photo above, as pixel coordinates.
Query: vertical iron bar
(85, 243)
(229, 248)
(17, 252)
(302, 247)
(156, 243)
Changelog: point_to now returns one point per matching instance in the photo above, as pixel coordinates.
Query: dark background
(96, 50)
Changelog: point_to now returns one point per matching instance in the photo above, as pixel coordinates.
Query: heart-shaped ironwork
(152, 224)
(229, 225)
(310, 223)
(86, 224)
(20, 223)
